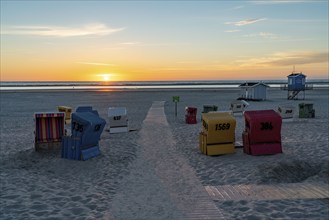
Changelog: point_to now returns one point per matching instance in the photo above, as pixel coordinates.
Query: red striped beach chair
(49, 130)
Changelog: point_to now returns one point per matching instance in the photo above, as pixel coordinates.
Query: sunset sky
(162, 40)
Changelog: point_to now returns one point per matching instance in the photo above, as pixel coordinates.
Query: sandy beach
(156, 171)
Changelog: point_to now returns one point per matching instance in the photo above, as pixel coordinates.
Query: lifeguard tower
(297, 86)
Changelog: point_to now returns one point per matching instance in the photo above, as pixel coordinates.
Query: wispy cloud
(272, 2)
(266, 35)
(232, 31)
(130, 43)
(246, 21)
(96, 29)
(286, 59)
(96, 64)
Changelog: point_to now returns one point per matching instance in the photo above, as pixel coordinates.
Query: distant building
(256, 91)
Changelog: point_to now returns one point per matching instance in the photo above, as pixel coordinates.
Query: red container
(190, 115)
(191, 110)
(190, 119)
(262, 133)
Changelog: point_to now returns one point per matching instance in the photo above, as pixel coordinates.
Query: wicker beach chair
(86, 129)
(68, 112)
(49, 130)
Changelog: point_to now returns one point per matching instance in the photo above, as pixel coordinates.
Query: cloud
(96, 64)
(232, 31)
(130, 43)
(266, 35)
(286, 59)
(96, 29)
(246, 22)
(272, 2)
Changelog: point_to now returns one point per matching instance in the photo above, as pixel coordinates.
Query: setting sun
(104, 77)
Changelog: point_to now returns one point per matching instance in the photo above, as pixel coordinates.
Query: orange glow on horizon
(65, 72)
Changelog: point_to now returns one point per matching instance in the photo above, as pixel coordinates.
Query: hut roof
(252, 84)
(296, 74)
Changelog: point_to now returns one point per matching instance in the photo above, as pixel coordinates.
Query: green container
(306, 110)
(209, 108)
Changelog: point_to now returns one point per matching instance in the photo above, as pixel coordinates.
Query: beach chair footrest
(90, 152)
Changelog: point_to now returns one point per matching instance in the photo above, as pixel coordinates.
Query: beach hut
(256, 91)
(49, 130)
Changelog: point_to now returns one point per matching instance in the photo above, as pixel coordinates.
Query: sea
(134, 85)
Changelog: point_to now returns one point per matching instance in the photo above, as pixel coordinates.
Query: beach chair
(118, 119)
(209, 108)
(306, 110)
(286, 111)
(49, 130)
(190, 115)
(68, 112)
(218, 133)
(262, 134)
(86, 129)
(238, 106)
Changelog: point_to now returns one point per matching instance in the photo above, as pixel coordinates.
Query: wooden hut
(256, 91)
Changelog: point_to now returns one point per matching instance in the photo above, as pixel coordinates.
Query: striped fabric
(49, 127)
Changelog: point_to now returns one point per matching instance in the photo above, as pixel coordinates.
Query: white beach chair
(238, 106)
(118, 119)
(286, 111)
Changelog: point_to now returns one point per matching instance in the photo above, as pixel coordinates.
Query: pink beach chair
(49, 130)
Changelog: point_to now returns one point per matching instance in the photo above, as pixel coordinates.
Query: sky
(163, 40)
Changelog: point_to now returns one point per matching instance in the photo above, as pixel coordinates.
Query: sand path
(161, 184)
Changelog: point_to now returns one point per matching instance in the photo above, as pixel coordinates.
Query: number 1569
(223, 126)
